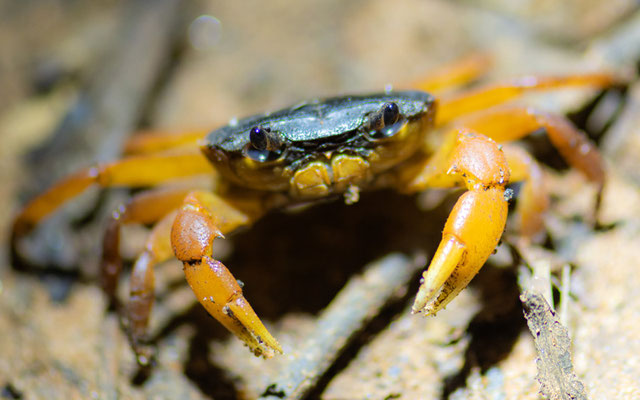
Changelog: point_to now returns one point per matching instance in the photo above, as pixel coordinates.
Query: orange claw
(203, 218)
(219, 293)
(474, 226)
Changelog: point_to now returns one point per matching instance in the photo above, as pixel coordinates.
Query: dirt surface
(66, 65)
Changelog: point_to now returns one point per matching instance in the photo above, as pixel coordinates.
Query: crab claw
(474, 226)
(192, 235)
(471, 233)
(220, 294)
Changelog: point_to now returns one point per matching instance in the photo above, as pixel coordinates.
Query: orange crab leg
(141, 286)
(203, 218)
(466, 102)
(152, 142)
(134, 171)
(456, 74)
(145, 208)
(475, 224)
(509, 123)
(533, 199)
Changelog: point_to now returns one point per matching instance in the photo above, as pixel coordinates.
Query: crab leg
(142, 284)
(202, 218)
(455, 74)
(476, 222)
(533, 199)
(144, 208)
(151, 142)
(509, 123)
(466, 102)
(513, 122)
(133, 171)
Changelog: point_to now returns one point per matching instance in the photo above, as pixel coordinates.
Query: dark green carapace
(285, 140)
(320, 121)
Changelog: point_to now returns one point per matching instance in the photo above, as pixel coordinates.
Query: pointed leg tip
(266, 349)
(271, 347)
(260, 341)
(425, 298)
(428, 301)
(429, 309)
(419, 304)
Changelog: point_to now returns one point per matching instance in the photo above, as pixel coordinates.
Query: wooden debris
(360, 300)
(555, 368)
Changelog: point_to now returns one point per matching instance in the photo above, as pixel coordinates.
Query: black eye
(384, 122)
(390, 113)
(265, 145)
(258, 137)
(263, 139)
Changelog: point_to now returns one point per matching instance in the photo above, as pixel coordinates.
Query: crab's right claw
(192, 236)
(474, 226)
(471, 234)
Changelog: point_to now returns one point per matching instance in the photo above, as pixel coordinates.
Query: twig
(360, 300)
(553, 345)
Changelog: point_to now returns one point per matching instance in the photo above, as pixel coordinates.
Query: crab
(339, 147)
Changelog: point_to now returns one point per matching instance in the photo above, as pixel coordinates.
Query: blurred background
(77, 79)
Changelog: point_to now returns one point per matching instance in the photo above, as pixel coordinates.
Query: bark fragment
(555, 367)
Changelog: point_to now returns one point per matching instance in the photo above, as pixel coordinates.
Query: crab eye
(265, 145)
(384, 122)
(258, 137)
(263, 139)
(390, 113)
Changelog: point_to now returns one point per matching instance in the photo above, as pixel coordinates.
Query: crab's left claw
(202, 218)
(474, 226)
